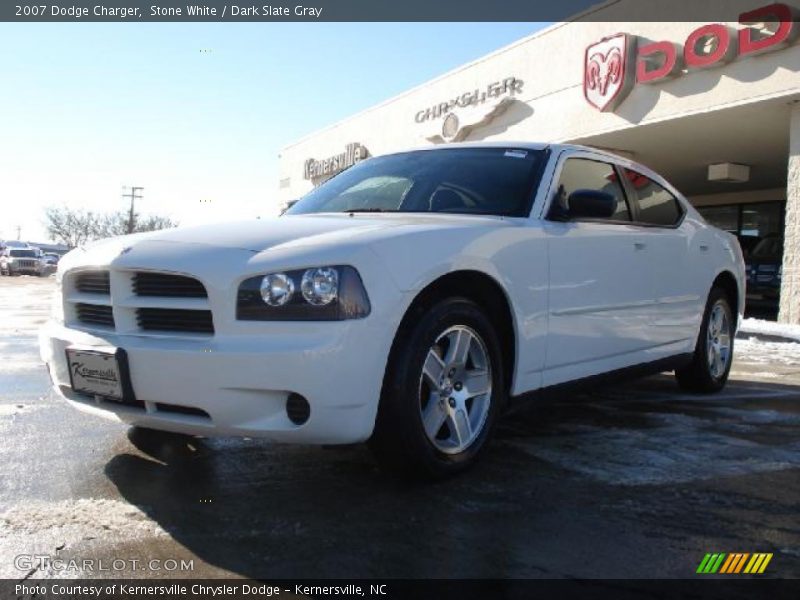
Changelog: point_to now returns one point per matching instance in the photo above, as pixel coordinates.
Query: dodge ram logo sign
(607, 71)
(615, 64)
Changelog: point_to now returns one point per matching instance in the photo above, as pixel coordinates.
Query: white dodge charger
(405, 301)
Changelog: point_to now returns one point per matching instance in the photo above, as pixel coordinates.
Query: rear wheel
(713, 355)
(443, 390)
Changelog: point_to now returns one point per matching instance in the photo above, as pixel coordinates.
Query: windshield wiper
(355, 210)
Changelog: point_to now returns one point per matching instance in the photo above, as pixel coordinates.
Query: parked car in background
(13, 244)
(50, 262)
(405, 301)
(764, 266)
(19, 261)
(747, 242)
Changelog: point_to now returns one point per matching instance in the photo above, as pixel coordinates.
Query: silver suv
(15, 261)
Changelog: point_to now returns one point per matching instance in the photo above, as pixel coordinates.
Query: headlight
(320, 286)
(327, 293)
(277, 289)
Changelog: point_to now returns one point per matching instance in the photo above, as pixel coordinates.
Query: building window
(751, 223)
(762, 219)
(758, 219)
(724, 217)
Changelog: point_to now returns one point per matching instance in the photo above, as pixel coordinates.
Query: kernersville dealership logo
(616, 63)
(317, 169)
(81, 370)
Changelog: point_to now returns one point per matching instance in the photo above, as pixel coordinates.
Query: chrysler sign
(614, 64)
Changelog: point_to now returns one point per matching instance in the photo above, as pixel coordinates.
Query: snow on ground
(755, 326)
(95, 515)
(757, 351)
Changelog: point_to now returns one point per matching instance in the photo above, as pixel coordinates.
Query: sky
(196, 114)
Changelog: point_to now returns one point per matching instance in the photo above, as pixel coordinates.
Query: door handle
(639, 245)
(703, 247)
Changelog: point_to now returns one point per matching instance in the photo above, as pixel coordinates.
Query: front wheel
(443, 390)
(713, 355)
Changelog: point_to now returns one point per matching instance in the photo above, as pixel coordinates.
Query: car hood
(302, 230)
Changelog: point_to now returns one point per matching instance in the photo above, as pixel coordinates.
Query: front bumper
(16, 269)
(241, 382)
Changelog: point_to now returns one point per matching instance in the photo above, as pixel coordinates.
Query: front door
(601, 288)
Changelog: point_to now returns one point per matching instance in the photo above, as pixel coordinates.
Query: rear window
(656, 205)
(493, 181)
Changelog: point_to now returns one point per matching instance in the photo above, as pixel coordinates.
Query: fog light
(297, 409)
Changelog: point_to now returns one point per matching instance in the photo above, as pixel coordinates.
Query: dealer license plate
(96, 373)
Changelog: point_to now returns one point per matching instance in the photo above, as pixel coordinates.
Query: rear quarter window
(655, 204)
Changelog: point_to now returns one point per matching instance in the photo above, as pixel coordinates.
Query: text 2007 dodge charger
(404, 301)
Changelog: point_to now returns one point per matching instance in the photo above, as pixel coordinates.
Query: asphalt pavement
(628, 481)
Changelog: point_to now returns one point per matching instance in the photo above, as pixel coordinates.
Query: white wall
(790, 284)
(552, 106)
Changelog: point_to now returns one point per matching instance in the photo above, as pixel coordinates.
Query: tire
(711, 362)
(450, 344)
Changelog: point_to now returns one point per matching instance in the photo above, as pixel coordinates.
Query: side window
(585, 174)
(656, 205)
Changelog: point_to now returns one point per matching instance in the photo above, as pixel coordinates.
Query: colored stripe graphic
(732, 558)
(734, 563)
(741, 562)
(729, 564)
(758, 563)
(711, 563)
(703, 563)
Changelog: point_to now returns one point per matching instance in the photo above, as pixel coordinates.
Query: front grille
(172, 319)
(93, 282)
(26, 264)
(95, 314)
(166, 285)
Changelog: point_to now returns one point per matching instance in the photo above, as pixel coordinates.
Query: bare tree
(70, 227)
(74, 227)
(154, 223)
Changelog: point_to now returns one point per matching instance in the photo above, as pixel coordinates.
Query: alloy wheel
(718, 340)
(455, 389)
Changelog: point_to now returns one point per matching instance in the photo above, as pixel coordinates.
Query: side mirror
(591, 204)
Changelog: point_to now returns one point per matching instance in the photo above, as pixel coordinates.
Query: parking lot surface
(637, 480)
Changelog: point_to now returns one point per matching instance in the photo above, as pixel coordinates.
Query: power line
(131, 226)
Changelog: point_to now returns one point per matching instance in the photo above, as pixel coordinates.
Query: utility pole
(19, 232)
(133, 197)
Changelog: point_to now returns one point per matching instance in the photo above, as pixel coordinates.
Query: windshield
(24, 253)
(488, 181)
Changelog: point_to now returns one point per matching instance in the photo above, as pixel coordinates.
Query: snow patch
(88, 516)
(755, 326)
(753, 350)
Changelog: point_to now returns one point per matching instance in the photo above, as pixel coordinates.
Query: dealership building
(714, 107)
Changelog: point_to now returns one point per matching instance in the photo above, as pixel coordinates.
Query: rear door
(600, 284)
(676, 263)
